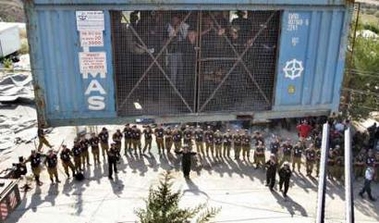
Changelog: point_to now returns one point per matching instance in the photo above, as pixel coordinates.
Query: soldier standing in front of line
(284, 178)
(296, 156)
(177, 138)
(159, 134)
(128, 135)
(136, 140)
(66, 160)
(77, 151)
(84, 144)
(35, 162)
(42, 138)
(246, 140)
(271, 166)
(218, 142)
(199, 140)
(104, 137)
(237, 144)
(94, 142)
(112, 161)
(52, 163)
(228, 140)
(186, 160)
(168, 139)
(147, 132)
(209, 138)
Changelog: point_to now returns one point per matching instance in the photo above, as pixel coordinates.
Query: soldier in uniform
(318, 158)
(42, 138)
(370, 159)
(168, 139)
(246, 140)
(136, 139)
(147, 132)
(284, 178)
(94, 142)
(286, 152)
(237, 144)
(228, 140)
(187, 136)
(66, 160)
(209, 138)
(35, 161)
(271, 166)
(117, 139)
(77, 152)
(339, 171)
(274, 146)
(52, 163)
(310, 157)
(258, 137)
(186, 160)
(128, 135)
(218, 142)
(331, 164)
(359, 164)
(104, 136)
(199, 140)
(84, 144)
(296, 156)
(112, 160)
(159, 134)
(259, 155)
(177, 138)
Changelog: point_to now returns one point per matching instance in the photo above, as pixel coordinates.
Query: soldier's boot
(68, 174)
(56, 179)
(39, 183)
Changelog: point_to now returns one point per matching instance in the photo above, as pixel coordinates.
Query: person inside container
(189, 50)
(177, 31)
(242, 24)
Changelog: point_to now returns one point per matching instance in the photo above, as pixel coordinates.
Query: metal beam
(320, 217)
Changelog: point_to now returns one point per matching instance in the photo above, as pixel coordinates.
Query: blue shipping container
(91, 64)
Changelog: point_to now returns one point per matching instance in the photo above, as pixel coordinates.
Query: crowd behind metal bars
(181, 44)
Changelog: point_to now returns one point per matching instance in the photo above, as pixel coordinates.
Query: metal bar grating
(177, 62)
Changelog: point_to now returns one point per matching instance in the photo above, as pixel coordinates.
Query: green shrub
(371, 27)
(8, 64)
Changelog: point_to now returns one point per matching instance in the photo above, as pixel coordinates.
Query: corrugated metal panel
(157, 2)
(55, 55)
(311, 59)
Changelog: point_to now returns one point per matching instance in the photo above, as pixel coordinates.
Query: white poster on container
(93, 63)
(90, 20)
(91, 38)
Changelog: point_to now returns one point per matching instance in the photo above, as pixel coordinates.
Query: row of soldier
(217, 144)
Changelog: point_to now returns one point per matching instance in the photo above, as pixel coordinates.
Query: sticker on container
(90, 20)
(92, 63)
(91, 38)
(293, 69)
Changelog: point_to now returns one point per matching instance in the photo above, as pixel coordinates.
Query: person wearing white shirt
(369, 176)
